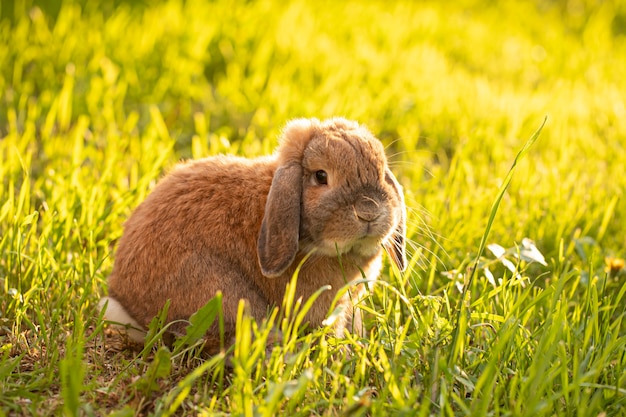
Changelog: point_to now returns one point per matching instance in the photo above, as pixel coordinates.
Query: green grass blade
(456, 347)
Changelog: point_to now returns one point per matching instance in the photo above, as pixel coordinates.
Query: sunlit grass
(98, 100)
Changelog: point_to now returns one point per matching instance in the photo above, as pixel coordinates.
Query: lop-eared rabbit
(242, 226)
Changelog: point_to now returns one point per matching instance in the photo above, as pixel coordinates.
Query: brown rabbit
(242, 227)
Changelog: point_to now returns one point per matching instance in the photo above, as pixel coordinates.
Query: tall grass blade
(72, 371)
(459, 328)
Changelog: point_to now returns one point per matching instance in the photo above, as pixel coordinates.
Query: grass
(99, 99)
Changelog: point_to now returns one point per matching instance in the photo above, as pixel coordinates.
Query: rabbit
(243, 226)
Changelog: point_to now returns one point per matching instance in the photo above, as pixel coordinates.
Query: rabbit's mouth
(358, 237)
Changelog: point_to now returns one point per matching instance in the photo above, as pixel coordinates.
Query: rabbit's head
(333, 194)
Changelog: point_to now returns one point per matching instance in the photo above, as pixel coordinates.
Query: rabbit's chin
(365, 247)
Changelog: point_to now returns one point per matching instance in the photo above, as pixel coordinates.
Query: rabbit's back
(192, 237)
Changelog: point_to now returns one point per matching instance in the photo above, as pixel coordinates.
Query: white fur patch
(120, 319)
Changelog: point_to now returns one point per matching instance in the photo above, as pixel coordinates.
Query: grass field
(99, 99)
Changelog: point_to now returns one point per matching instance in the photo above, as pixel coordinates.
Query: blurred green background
(431, 79)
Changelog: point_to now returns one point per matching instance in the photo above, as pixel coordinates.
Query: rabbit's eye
(321, 177)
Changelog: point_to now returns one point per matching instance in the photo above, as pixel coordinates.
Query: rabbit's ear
(280, 230)
(396, 245)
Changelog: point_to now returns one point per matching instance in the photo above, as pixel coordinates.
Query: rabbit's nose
(367, 209)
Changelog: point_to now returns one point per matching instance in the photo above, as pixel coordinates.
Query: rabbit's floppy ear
(280, 230)
(396, 245)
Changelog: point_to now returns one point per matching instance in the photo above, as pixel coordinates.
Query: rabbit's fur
(242, 227)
